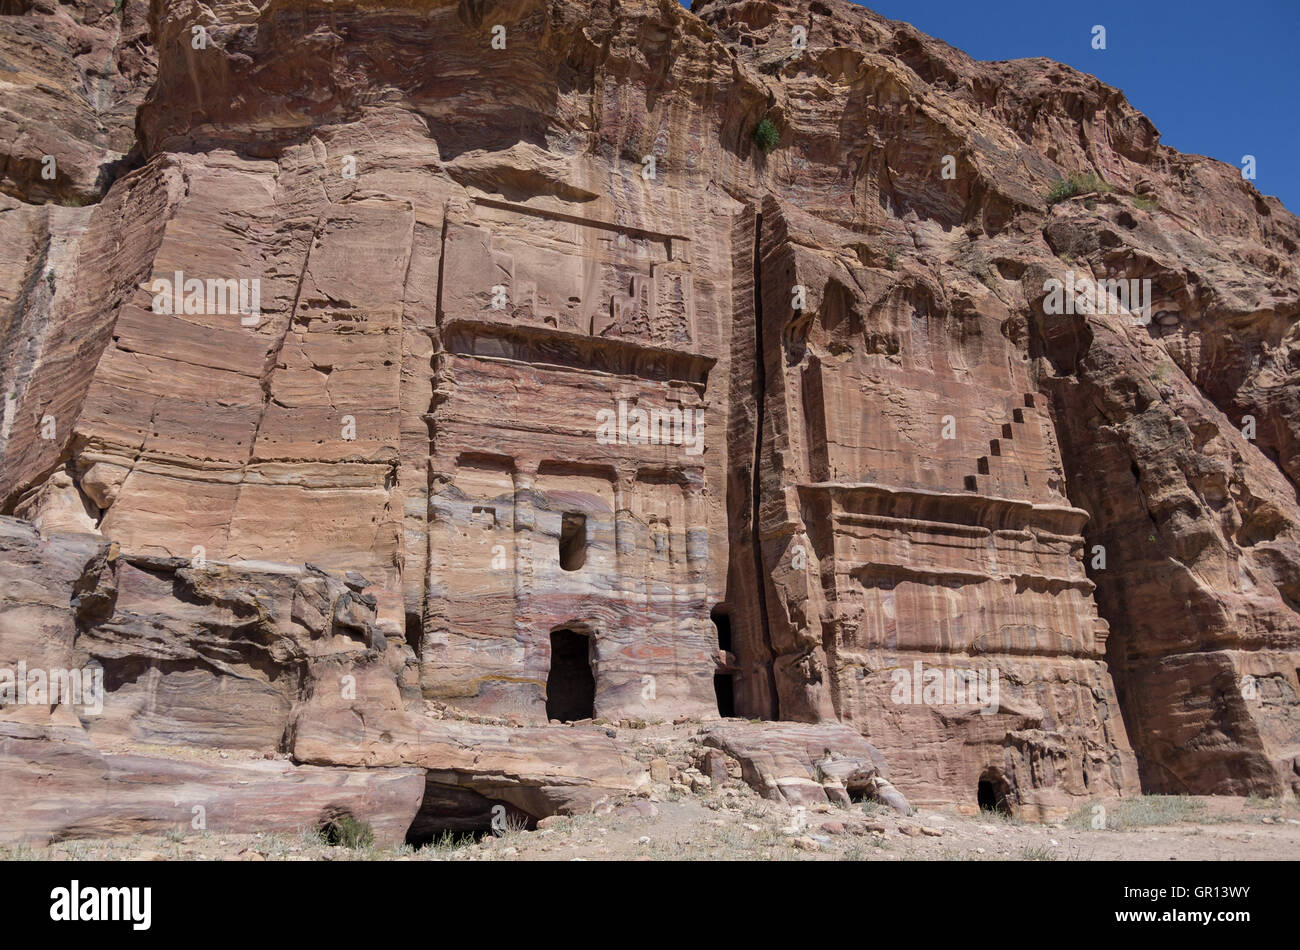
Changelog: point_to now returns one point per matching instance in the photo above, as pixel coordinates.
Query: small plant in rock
(446, 844)
(280, 845)
(999, 815)
(766, 136)
(861, 850)
(1145, 203)
(1143, 812)
(754, 811)
(1149, 810)
(1037, 852)
(512, 825)
(1255, 800)
(1081, 183)
(347, 832)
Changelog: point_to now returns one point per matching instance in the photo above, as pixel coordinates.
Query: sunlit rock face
(429, 373)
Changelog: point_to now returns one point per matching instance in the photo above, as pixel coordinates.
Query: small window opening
(573, 541)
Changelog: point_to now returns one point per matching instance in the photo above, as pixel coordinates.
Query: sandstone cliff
(386, 381)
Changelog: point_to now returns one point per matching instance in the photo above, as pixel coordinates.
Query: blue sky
(1217, 79)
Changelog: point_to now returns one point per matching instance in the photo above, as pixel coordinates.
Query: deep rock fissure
(756, 489)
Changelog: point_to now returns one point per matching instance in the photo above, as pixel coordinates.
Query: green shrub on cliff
(766, 136)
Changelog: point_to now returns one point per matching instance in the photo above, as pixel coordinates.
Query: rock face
(58, 785)
(424, 374)
(75, 73)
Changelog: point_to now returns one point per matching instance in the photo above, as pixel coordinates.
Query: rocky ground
(684, 815)
(743, 827)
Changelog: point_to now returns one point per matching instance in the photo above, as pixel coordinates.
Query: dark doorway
(993, 793)
(987, 800)
(570, 685)
(573, 541)
(726, 691)
(724, 679)
(722, 621)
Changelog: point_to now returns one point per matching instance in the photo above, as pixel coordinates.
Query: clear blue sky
(1217, 79)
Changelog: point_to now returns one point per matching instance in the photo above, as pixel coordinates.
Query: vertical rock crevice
(756, 487)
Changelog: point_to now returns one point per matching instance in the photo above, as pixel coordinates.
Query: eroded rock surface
(75, 72)
(59, 785)
(405, 394)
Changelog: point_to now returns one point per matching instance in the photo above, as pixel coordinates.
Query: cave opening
(993, 793)
(573, 541)
(414, 630)
(570, 684)
(452, 816)
(987, 800)
(339, 827)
